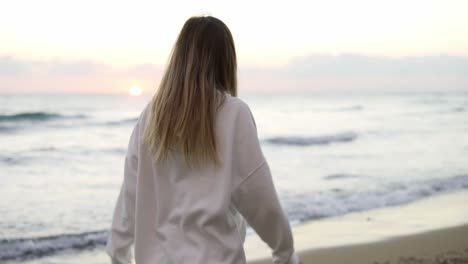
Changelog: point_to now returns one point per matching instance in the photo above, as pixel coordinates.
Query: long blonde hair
(201, 68)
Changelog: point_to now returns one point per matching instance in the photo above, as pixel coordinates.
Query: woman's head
(205, 48)
(201, 68)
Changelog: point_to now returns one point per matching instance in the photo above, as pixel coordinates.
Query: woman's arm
(121, 235)
(257, 201)
(255, 197)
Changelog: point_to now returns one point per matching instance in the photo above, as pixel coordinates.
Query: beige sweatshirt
(178, 215)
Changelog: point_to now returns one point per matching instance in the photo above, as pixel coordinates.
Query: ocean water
(61, 159)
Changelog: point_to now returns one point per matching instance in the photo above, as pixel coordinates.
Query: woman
(194, 163)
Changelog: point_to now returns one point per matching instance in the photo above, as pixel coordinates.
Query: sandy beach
(435, 231)
(449, 245)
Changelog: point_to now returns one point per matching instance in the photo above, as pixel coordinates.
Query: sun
(135, 91)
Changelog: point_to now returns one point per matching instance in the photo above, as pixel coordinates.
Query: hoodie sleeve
(121, 236)
(255, 196)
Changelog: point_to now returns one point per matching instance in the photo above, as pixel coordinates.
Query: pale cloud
(354, 71)
(12, 67)
(352, 64)
(76, 76)
(313, 72)
(80, 68)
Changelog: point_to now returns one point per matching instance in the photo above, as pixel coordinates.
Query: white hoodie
(174, 214)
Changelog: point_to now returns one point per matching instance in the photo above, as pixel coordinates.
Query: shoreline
(429, 247)
(421, 230)
(409, 234)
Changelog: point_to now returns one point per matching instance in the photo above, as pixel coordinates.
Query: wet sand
(434, 230)
(448, 245)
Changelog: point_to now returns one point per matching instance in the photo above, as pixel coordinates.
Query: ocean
(330, 154)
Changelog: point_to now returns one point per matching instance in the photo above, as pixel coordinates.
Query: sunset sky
(103, 46)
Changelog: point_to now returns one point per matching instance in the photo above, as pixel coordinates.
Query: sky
(104, 46)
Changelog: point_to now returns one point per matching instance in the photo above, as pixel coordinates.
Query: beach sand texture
(442, 246)
(439, 235)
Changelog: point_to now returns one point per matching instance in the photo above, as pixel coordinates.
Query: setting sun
(135, 91)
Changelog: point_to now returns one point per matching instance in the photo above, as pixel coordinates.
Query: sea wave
(37, 155)
(27, 248)
(6, 129)
(340, 176)
(35, 116)
(459, 109)
(299, 208)
(8, 160)
(315, 140)
(336, 201)
(351, 108)
(122, 122)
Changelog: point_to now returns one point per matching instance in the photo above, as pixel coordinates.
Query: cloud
(12, 67)
(73, 76)
(80, 68)
(355, 64)
(313, 72)
(20, 68)
(355, 71)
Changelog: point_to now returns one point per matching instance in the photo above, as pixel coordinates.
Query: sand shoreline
(428, 247)
(432, 230)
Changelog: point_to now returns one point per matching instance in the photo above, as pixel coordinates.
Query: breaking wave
(35, 116)
(27, 248)
(316, 140)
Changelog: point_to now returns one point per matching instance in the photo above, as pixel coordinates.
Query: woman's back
(192, 206)
(187, 215)
(194, 163)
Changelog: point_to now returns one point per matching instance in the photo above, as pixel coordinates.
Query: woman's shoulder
(235, 103)
(238, 111)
